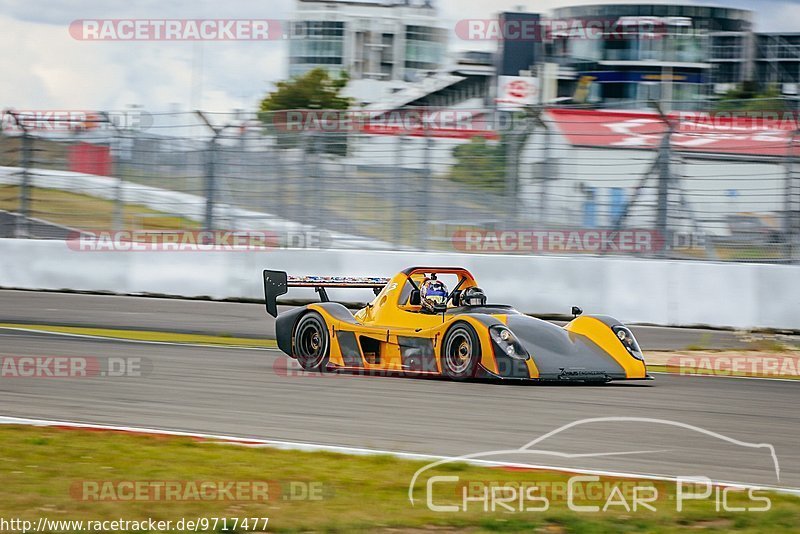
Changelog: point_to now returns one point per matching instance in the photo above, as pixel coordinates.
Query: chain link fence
(722, 185)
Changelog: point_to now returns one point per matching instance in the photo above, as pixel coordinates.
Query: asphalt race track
(250, 393)
(247, 320)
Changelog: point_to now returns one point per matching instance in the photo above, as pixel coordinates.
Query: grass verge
(55, 473)
(749, 363)
(89, 213)
(147, 335)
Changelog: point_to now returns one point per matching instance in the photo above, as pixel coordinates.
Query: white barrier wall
(635, 291)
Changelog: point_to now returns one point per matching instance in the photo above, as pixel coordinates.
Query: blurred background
(676, 123)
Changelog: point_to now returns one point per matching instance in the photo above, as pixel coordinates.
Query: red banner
(746, 133)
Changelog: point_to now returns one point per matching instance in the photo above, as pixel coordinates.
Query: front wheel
(311, 342)
(461, 351)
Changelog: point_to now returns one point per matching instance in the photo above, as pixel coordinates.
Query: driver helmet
(433, 294)
(473, 296)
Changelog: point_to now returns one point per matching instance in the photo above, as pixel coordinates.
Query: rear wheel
(311, 342)
(461, 351)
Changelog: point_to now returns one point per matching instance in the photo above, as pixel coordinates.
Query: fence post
(548, 173)
(397, 233)
(210, 184)
(118, 218)
(319, 185)
(23, 229)
(511, 163)
(26, 161)
(427, 175)
(664, 178)
(791, 209)
(210, 173)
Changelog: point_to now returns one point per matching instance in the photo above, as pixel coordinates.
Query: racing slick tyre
(311, 342)
(461, 351)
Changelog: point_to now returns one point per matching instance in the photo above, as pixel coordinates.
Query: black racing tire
(461, 351)
(311, 342)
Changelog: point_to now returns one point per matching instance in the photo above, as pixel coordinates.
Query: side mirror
(576, 311)
(456, 298)
(414, 299)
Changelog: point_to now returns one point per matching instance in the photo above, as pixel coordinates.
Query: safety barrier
(638, 291)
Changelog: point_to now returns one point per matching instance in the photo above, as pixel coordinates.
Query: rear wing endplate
(277, 283)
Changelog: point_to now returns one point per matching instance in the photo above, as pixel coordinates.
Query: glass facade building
(392, 40)
(651, 52)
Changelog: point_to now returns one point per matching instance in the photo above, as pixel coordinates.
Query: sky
(44, 67)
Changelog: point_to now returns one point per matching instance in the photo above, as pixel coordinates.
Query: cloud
(48, 69)
(51, 70)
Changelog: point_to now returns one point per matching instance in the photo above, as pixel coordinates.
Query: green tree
(746, 97)
(480, 163)
(316, 89)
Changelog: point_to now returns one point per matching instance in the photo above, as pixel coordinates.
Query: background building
(777, 60)
(383, 46)
(667, 52)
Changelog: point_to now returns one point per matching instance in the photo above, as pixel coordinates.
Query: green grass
(702, 371)
(86, 212)
(148, 335)
(45, 469)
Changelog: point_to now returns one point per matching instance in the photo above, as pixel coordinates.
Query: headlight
(507, 342)
(628, 341)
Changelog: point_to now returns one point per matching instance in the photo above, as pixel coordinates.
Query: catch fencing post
(791, 204)
(427, 175)
(664, 177)
(119, 206)
(26, 161)
(548, 169)
(210, 173)
(397, 234)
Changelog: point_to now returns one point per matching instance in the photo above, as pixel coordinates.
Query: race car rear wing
(277, 283)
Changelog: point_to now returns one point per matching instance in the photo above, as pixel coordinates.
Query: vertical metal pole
(510, 163)
(397, 231)
(427, 174)
(318, 180)
(119, 207)
(789, 215)
(663, 186)
(210, 185)
(24, 189)
(547, 175)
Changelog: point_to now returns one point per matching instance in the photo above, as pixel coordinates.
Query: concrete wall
(636, 291)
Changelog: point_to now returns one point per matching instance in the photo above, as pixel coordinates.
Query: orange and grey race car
(463, 337)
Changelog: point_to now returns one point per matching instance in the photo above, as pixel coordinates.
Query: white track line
(128, 340)
(316, 447)
(237, 347)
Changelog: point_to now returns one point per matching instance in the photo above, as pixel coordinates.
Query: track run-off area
(721, 428)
